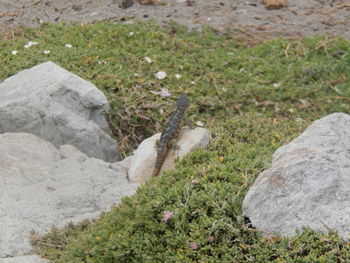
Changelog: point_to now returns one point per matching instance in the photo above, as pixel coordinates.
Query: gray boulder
(308, 183)
(24, 259)
(42, 187)
(59, 107)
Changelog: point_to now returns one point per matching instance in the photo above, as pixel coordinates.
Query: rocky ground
(249, 17)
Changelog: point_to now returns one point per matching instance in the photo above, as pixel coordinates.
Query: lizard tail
(155, 171)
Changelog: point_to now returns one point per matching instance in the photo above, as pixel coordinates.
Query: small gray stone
(144, 158)
(308, 183)
(59, 107)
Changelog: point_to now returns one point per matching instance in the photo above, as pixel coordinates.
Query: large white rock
(24, 259)
(42, 187)
(59, 107)
(144, 158)
(308, 183)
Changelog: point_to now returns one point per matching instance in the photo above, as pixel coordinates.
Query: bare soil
(249, 17)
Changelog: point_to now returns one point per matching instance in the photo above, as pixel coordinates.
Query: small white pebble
(209, 18)
(195, 181)
(14, 52)
(241, 69)
(41, 21)
(131, 33)
(181, 67)
(200, 123)
(161, 75)
(148, 60)
(46, 52)
(193, 83)
(136, 75)
(30, 43)
(68, 45)
(276, 85)
(178, 76)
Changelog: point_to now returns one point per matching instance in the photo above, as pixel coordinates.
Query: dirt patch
(249, 17)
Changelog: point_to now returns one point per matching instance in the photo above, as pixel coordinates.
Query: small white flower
(46, 52)
(14, 52)
(41, 21)
(163, 92)
(193, 83)
(131, 33)
(230, 53)
(276, 85)
(241, 69)
(200, 123)
(167, 215)
(136, 75)
(178, 76)
(148, 60)
(68, 45)
(30, 43)
(161, 75)
(181, 67)
(102, 62)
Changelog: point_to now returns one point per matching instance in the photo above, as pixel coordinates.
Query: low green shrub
(193, 214)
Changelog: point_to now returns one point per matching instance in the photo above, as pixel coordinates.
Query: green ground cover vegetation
(253, 99)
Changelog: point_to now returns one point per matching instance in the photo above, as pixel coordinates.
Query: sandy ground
(249, 17)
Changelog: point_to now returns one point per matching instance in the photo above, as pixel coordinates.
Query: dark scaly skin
(171, 131)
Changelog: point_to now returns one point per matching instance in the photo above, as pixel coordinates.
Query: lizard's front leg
(156, 145)
(174, 146)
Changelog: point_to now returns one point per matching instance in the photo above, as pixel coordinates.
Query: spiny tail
(159, 161)
(155, 171)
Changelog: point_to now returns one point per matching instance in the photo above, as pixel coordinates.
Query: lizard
(169, 134)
